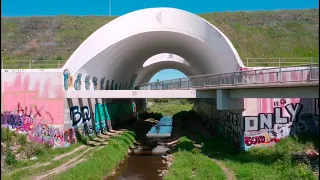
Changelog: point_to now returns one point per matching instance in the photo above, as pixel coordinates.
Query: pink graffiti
(18, 97)
(43, 133)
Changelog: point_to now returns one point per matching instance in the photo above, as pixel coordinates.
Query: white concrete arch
(145, 74)
(165, 57)
(118, 49)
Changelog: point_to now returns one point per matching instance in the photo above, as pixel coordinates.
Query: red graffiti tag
(254, 140)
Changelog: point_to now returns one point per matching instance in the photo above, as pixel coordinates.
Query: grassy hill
(287, 33)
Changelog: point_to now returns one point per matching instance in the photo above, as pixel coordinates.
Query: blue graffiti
(77, 82)
(101, 83)
(87, 82)
(95, 83)
(66, 75)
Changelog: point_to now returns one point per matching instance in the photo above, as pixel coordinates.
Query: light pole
(110, 8)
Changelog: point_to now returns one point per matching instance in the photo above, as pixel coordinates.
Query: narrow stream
(146, 160)
(143, 164)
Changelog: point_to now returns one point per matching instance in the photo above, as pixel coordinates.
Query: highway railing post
(279, 75)
(279, 62)
(310, 71)
(30, 64)
(247, 62)
(180, 84)
(233, 78)
(58, 63)
(255, 77)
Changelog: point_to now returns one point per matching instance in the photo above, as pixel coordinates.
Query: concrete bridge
(126, 52)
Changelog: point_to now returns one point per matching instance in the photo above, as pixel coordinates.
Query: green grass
(29, 172)
(190, 163)
(103, 161)
(47, 155)
(263, 163)
(43, 152)
(171, 107)
(285, 33)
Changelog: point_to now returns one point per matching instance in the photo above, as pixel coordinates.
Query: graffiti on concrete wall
(226, 123)
(77, 82)
(34, 109)
(66, 76)
(81, 120)
(268, 128)
(264, 129)
(102, 83)
(37, 132)
(70, 136)
(44, 105)
(95, 83)
(70, 82)
(111, 86)
(87, 82)
(101, 118)
(107, 85)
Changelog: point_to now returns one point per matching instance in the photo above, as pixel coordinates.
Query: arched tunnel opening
(120, 55)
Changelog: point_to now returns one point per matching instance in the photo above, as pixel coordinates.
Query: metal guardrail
(307, 73)
(249, 62)
(32, 64)
(278, 62)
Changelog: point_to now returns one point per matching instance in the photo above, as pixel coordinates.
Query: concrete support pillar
(141, 105)
(224, 102)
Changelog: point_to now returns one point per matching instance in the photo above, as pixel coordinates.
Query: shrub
(29, 150)
(59, 58)
(10, 158)
(39, 150)
(303, 172)
(6, 134)
(47, 145)
(20, 149)
(22, 139)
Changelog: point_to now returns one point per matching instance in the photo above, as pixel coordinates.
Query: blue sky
(120, 7)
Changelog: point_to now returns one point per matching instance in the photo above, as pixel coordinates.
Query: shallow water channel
(144, 163)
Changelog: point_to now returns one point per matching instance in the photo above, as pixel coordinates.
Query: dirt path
(69, 153)
(206, 134)
(48, 163)
(71, 163)
(230, 175)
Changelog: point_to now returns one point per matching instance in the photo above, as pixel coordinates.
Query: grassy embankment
(19, 146)
(278, 162)
(285, 33)
(169, 107)
(49, 159)
(190, 163)
(16, 158)
(103, 161)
